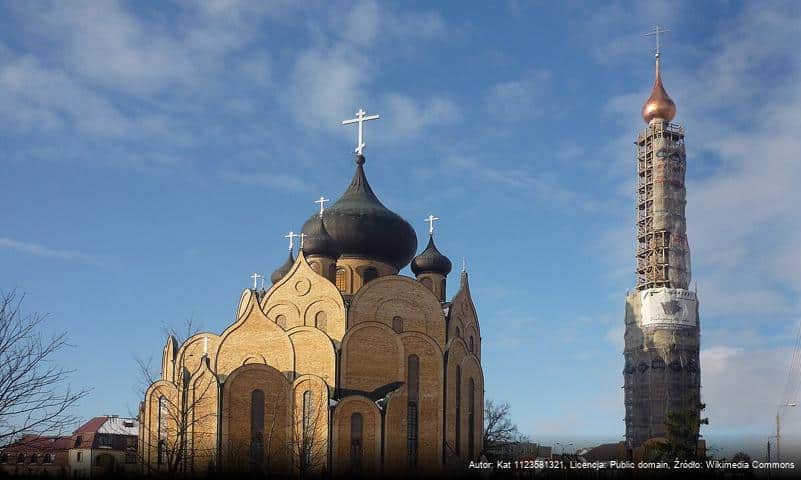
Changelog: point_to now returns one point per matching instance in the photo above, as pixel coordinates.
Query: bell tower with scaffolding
(661, 372)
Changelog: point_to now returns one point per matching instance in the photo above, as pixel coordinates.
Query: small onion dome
(363, 227)
(659, 105)
(279, 272)
(431, 261)
(318, 241)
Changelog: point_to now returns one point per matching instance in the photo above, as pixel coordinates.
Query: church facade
(342, 366)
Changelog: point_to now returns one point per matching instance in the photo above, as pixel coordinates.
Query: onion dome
(317, 241)
(659, 105)
(363, 227)
(431, 260)
(279, 272)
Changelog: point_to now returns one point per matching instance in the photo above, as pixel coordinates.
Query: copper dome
(659, 105)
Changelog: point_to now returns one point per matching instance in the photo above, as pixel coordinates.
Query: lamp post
(778, 429)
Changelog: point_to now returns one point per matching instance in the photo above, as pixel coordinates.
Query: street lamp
(778, 428)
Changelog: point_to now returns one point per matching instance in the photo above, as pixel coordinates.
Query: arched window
(471, 419)
(427, 283)
(321, 320)
(332, 271)
(161, 445)
(458, 445)
(256, 429)
(3, 457)
(21, 458)
(341, 280)
(34, 458)
(458, 333)
(308, 430)
(47, 458)
(397, 324)
(369, 275)
(356, 427)
(412, 414)
(281, 321)
(470, 345)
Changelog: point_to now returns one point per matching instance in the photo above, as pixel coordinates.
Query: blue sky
(153, 158)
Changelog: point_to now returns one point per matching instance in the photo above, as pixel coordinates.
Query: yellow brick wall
(236, 417)
(314, 353)
(372, 356)
(342, 439)
(387, 297)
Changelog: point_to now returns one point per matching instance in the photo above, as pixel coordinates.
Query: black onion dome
(279, 272)
(431, 260)
(363, 227)
(318, 241)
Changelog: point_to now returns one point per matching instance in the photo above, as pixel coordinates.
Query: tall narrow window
(321, 320)
(369, 275)
(256, 429)
(458, 408)
(332, 271)
(161, 445)
(397, 324)
(340, 280)
(471, 419)
(458, 333)
(308, 430)
(412, 413)
(470, 345)
(356, 427)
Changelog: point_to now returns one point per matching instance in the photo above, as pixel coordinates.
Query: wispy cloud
(277, 181)
(43, 251)
(520, 99)
(544, 187)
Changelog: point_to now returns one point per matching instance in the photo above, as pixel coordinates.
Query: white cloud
(515, 100)
(275, 181)
(42, 251)
(408, 117)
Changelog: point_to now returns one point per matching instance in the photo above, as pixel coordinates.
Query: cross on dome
(657, 32)
(361, 117)
(256, 277)
(291, 236)
(302, 236)
(322, 201)
(430, 220)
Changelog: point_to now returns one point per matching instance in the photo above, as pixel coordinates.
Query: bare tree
(498, 426)
(180, 416)
(309, 447)
(33, 395)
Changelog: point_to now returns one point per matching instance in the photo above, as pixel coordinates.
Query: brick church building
(342, 366)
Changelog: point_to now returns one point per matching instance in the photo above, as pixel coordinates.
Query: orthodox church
(342, 366)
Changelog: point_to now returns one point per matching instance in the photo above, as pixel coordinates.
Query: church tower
(661, 373)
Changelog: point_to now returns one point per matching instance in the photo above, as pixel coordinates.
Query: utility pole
(778, 429)
(778, 439)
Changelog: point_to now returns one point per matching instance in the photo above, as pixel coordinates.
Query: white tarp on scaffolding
(668, 307)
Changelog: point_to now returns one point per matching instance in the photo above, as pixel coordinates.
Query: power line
(792, 387)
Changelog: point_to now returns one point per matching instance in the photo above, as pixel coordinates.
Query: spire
(659, 105)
